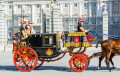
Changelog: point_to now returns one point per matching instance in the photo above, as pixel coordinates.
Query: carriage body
(45, 44)
(46, 47)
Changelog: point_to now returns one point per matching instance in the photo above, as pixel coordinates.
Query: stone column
(32, 13)
(57, 19)
(111, 14)
(105, 22)
(81, 5)
(90, 12)
(33, 16)
(119, 17)
(79, 13)
(98, 11)
(70, 9)
(100, 8)
(3, 26)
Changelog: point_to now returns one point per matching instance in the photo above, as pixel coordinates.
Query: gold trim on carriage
(76, 40)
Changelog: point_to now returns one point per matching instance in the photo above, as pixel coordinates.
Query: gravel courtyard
(58, 68)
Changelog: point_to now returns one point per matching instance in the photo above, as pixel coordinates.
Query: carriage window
(48, 40)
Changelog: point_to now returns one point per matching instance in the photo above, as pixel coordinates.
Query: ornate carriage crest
(76, 40)
(49, 52)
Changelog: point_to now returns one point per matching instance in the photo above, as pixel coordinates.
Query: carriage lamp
(58, 36)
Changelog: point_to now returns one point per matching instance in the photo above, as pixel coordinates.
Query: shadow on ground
(57, 68)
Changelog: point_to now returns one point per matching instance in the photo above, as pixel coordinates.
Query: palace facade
(61, 15)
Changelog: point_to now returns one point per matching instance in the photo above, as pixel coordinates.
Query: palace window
(115, 3)
(10, 6)
(19, 6)
(85, 5)
(75, 4)
(37, 6)
(116, 33)
(47, 5)
(57, 4)
(66, 5)
(38, 20)
(10, 22)
(94, 4)
(48, 22)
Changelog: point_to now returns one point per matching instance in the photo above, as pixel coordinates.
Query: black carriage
(46, 47)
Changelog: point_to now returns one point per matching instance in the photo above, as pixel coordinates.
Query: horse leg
(112, 55)
(100, 59)
(107, 61)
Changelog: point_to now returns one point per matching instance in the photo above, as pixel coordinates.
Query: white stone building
(65, 15)
(3, 25)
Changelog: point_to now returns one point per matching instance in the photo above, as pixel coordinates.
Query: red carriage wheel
(40, 62)
(78, 63)
(25, 59)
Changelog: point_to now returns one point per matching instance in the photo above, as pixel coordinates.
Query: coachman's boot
(91, 40)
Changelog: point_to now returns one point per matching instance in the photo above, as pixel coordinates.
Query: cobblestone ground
(58, 68)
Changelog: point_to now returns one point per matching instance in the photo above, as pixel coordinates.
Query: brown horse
(109, 49)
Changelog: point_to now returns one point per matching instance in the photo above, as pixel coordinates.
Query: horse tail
(98, 43)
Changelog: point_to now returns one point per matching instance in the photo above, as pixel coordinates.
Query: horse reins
(93, 27)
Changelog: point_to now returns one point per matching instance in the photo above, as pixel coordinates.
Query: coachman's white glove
(87, 30)
(26, 36)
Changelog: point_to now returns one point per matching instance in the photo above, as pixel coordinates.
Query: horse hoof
(110, 70)
(98, 68)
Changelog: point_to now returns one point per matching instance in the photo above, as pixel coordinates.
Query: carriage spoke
(28, 53)
(28, 66)
(26, 50)
(20, 55)
(30, 63)
(31, 55)
(22, 65)
(19, 59)
(33, 61)
(25, 65)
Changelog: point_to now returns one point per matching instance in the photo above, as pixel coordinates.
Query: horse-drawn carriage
(45, 47)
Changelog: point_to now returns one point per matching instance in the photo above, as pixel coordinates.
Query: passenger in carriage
(80, 28)
(23, 32)
(28, 27)
(15, 37)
